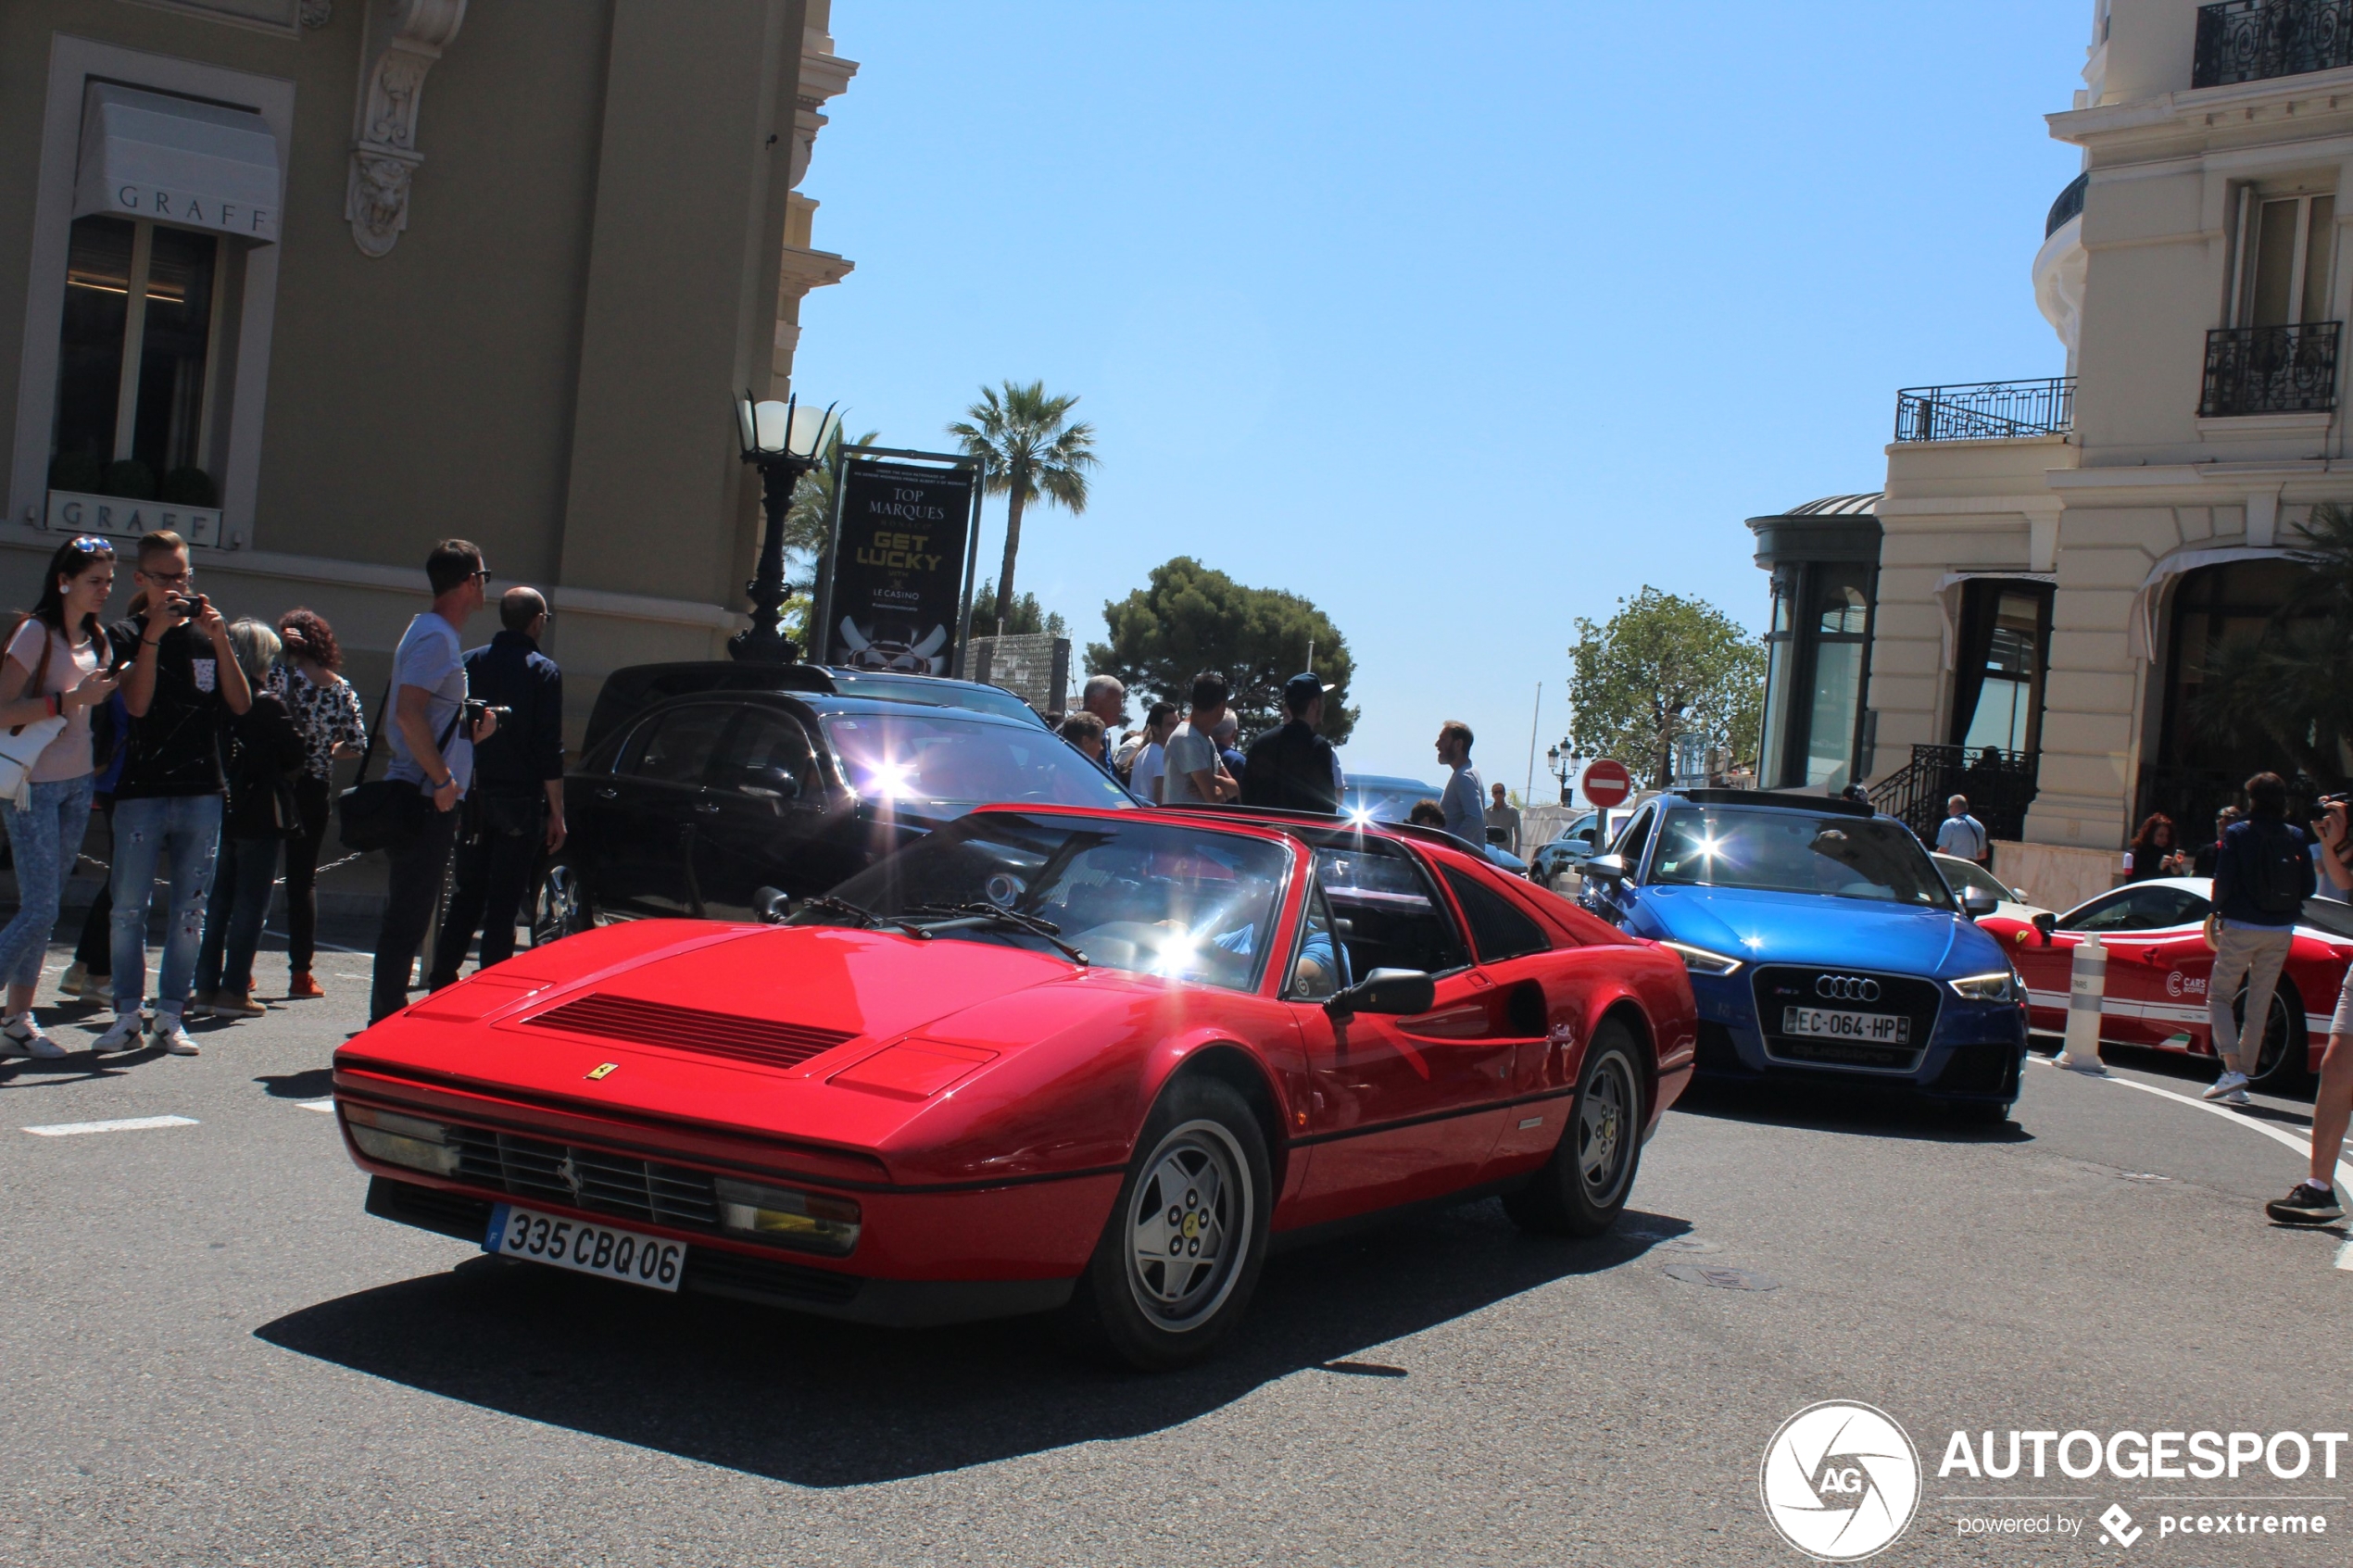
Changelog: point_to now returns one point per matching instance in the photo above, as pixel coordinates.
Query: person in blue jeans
(181, 683)
(265, 753)
(55, 667)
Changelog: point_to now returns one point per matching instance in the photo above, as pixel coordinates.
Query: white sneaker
(171, 1037)
(22, 1037)
(2236, 1097)
(123, 1036)
(2228, 1084)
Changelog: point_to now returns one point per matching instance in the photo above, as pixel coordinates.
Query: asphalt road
(211, 1356)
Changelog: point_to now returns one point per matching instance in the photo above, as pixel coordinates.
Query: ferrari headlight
(809, 1221)
(1699, 960)
(1998, 986)
(400, 1140)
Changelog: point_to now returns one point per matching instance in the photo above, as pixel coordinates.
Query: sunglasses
(91, 544)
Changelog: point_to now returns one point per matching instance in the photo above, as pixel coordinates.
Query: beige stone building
(319, 281)
(2023, 611)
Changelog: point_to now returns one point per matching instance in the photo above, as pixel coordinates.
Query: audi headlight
(1699, 960)
(807, 1221)
(1999, 986)
(400, 1140)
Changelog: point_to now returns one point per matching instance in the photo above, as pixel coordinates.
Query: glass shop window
(136, 362)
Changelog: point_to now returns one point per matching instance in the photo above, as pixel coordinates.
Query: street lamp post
(1560, 761)
(783, 441)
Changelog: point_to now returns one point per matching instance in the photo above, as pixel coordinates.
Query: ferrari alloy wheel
(1180, 1257)
(1582, 1189)
(558, 907)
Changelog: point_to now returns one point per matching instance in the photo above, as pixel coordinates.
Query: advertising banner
(898, 565)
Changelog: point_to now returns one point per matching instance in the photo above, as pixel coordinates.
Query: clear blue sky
(1461, 321)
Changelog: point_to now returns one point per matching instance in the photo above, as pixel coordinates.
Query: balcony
(1994, 411)
(2270, 370)
(2257, 40)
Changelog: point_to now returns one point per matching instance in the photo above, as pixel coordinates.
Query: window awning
(200, 166)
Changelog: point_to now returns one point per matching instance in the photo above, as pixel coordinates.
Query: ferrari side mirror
(1387, 991)
(1976, 903)
(2047, 924)
(771, 905)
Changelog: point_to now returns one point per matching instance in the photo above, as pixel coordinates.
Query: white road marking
(2345, 1256)
(326, 1105)
(2276, 1134)
(126, 1125)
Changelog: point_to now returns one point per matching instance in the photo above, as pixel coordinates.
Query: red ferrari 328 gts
(1039, 1059)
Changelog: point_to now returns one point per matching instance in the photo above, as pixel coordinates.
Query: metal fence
(2000, 785)
(2269, 370)
(1991, 410)
(2257, 40)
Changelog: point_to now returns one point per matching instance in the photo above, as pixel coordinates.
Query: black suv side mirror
(771, 905)
(1386, 991)
(1976, 903)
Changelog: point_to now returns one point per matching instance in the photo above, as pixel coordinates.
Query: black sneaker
(2306, 1205)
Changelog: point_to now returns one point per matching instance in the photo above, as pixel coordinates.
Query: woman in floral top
(327, 712)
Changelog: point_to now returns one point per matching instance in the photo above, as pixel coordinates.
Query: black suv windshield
(1785, 851)
(938, 757)
(1157, 897)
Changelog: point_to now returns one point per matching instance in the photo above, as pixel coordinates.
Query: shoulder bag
(22, 746)
(383, 813)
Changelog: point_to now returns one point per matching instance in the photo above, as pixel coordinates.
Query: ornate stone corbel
(404, 38)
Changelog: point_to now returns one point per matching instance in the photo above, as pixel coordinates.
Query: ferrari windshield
(1157, 897)
(1784, 852)
(941, 757)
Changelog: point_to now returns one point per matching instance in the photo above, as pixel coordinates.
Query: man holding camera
(514, 814)
(432, 746)
(180, 683)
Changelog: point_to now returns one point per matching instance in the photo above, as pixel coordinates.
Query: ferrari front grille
(583, 1178)
(763, 1040)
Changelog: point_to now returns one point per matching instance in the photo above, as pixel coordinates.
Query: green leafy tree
(1033, 450)
(1187, 619)
(1661, 669)
(2280, 689)
(806, 518)
(1022, 618)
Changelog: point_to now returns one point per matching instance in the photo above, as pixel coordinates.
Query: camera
(474, 708)
(187, 605)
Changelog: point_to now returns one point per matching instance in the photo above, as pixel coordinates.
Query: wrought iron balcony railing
(2069, 202)
(2000, 787)
(1992, 410)
(2270, 370)
(2257, 40)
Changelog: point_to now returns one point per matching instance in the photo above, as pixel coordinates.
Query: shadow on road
(316, 1084)
(827, 1404)
(1841, 1108)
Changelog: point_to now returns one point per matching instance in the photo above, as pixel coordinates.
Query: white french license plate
(1826, 1023)
(586, 1248)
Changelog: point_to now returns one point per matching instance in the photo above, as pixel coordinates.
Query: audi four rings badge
(1846, 988)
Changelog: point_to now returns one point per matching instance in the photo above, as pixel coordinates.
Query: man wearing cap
(1294, 768)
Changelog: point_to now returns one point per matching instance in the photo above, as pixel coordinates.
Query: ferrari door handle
(706, 809)
(608, 795)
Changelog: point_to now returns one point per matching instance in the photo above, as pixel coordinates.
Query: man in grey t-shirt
(1464, 801)
(1194, 774)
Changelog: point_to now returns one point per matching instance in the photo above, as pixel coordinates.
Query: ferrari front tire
(1180, 1257)
(1582, 1189)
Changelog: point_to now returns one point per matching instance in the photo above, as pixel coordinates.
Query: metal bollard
(2087, 983)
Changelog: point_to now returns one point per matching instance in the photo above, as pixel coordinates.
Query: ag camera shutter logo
(1840, 1481)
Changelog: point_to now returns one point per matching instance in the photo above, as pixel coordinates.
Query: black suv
(700, 784)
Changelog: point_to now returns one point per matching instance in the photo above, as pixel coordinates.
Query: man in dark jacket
(1294, 768)
(515, 811)
(2263, 875)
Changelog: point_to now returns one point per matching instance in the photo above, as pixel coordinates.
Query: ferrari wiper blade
(863, 918)
(1015, 918)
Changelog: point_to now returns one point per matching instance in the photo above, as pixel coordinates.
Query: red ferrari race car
(2157, 966)
(1098, 1060)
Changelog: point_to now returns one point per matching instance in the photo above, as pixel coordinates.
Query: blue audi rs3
(1823, 945)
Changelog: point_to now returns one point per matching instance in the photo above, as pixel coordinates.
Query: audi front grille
(1780, 986)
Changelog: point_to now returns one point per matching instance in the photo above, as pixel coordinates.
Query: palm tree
(1031, 450)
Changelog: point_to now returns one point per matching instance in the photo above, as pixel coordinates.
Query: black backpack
(2281, 866)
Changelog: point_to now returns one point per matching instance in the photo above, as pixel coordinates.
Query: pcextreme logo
(1840, 1481)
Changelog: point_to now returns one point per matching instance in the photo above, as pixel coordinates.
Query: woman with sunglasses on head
(56, 666)
(327, 712)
